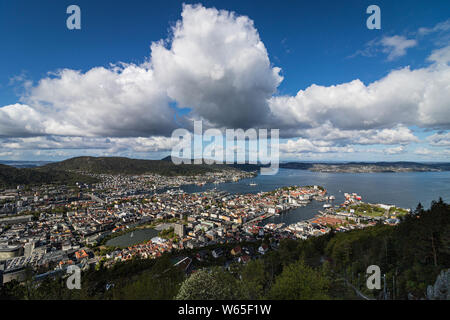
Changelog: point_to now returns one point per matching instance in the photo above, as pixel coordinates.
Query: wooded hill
(11, 177)
(121, 165)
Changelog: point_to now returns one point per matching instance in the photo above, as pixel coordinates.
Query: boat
(253, 184)
(327, 205)
(132, 235)
(331, 198)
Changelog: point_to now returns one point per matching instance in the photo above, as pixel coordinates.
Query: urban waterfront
(403, 189)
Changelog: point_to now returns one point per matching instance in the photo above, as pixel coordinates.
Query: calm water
(403, 189)
(132, 238)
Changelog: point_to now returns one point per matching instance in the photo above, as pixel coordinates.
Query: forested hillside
(12, 177)
(120, 165)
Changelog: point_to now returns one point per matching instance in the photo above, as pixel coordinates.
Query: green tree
(254, 279)
(300, 282)
(161, 282)
(210, 284)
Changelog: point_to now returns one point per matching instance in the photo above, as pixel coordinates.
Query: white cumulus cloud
(217, 65)
(404, 97)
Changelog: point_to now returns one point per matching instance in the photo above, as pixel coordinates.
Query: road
(95, 198)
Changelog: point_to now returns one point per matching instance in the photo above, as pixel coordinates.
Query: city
(50, 227)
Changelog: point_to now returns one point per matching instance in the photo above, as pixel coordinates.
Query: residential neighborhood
(49, 228)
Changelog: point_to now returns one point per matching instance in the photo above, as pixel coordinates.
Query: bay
(403, 189)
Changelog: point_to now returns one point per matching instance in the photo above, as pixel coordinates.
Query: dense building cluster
(49, 228)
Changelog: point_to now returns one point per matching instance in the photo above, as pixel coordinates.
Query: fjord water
(403, 189)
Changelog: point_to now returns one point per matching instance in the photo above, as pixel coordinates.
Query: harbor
(314, 215)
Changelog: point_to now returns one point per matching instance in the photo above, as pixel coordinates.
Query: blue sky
(324, 43)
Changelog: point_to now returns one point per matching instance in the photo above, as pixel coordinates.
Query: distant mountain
(242, 167)
(24, 164)
(360, 167)
(296, 165)
(121, 165)
(12, 177)
(355, 167)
